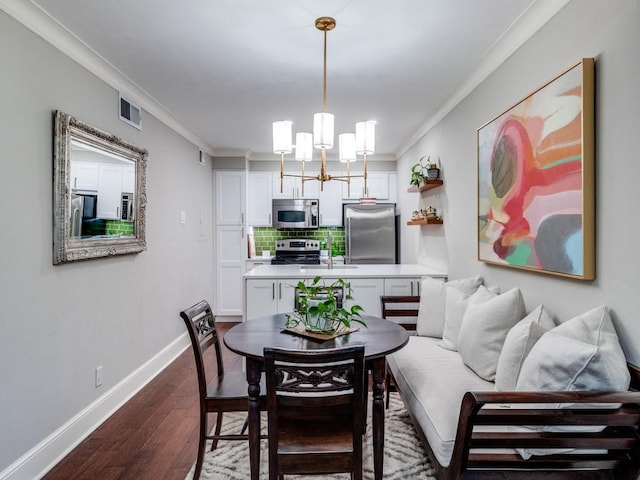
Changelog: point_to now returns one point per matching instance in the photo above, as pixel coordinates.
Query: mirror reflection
(99, 193)
(102, 193)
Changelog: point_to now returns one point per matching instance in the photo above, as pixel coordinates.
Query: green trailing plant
(419, 171)
(317, 308)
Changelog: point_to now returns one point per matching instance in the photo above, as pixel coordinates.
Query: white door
(261, 298)
(377, 186)
(331, 204)
(230, 197)
(230, 256)
(109, 191)
(366, 292)
(286, 295)
(260, 195)
(84, 176)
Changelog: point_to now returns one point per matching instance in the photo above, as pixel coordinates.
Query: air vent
(130, 113)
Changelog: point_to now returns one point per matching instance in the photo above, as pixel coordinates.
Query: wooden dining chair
(219, 391)
(402, 310)
(315, 411)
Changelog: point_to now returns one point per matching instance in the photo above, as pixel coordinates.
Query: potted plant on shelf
(419, 172)
(433, 170)
(319, 307)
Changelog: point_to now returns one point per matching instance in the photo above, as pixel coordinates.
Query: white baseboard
(46, 454)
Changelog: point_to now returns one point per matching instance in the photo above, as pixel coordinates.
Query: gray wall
(58, 323)
(608, 31)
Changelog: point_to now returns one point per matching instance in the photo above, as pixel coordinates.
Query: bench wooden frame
(618, 412)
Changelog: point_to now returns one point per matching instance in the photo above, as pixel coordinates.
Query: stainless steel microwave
(295, 213)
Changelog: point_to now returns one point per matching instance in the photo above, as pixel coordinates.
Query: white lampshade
(304, 146)
(347, 144)
(365, 137)
(323, 130)
(282, 137)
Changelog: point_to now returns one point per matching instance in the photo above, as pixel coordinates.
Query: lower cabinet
(402, 286)
(366, 292)
(268, 297)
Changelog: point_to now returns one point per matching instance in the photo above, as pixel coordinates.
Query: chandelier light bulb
(347, 144)
(282, 137)
(304, 146)
(365, 137)
(323, 130)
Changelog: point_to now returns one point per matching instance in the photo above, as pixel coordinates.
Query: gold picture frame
(536, 199)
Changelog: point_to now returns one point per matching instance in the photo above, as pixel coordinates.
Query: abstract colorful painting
(536, 179)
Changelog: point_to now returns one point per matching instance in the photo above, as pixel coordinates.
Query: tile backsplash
(265, 237)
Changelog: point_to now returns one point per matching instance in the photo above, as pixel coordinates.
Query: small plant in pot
(419, 172)
(319, 307)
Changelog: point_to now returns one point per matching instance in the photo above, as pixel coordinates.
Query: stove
(292, 251)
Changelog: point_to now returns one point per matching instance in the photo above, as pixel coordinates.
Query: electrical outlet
(98, 376)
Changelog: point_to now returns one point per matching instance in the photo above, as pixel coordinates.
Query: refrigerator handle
(74, 222)
(348, 259)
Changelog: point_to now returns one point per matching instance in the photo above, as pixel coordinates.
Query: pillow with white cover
(517, 345)
(581, 354)
(431, 316)
(485, 326)
(456, 302)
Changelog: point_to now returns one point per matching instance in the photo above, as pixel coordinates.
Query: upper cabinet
(292, 187)
(84, 176)
(230, 193)
(378, 186)
(331, 204)
(260, 195)
(109, 191)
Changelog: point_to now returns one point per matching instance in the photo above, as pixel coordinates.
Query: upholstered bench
(540, 401)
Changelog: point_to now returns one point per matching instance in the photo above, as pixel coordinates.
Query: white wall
(607, 31)
(57, 323)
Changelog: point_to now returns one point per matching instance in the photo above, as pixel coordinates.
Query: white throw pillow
(431, 313)
(485, 325)
(456, 303)
(581, 354)
(517, 345)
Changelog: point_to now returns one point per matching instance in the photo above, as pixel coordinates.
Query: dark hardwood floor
(153, 436)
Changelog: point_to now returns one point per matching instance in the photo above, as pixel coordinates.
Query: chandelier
(362, 142)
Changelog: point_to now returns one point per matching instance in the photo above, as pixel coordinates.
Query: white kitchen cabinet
(230, 255)
(331, 204)
(229, 191)
(402, 286)
(377, 185)
(267, 297)
(260, 195)
(292, 187)
(84, 176)
(366, 293)
(109, 191)
(230, 247)
(129, 179)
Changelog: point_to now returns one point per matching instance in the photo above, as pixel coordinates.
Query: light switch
(183, 217)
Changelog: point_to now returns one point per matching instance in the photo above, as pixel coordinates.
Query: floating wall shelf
(426, 221)
(426, 186)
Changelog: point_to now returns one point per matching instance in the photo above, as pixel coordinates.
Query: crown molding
(53, 32)
(521, 30)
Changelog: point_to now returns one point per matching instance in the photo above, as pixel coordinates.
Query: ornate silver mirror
(99, 198)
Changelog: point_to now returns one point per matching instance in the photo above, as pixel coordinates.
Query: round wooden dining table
(380, 337)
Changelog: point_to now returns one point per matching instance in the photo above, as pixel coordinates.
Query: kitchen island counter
(344, 271)
(271, 289)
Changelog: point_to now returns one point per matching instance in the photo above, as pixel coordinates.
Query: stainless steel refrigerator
(370, 233)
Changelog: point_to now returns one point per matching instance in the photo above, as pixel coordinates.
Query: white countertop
(342, 271)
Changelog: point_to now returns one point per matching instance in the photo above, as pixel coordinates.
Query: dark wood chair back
(315, 405)
(218, 392)
(201, 326)
(402, 310)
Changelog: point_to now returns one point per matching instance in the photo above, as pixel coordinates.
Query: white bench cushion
(433, 381)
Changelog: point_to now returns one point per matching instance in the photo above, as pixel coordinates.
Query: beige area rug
(404, 456)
